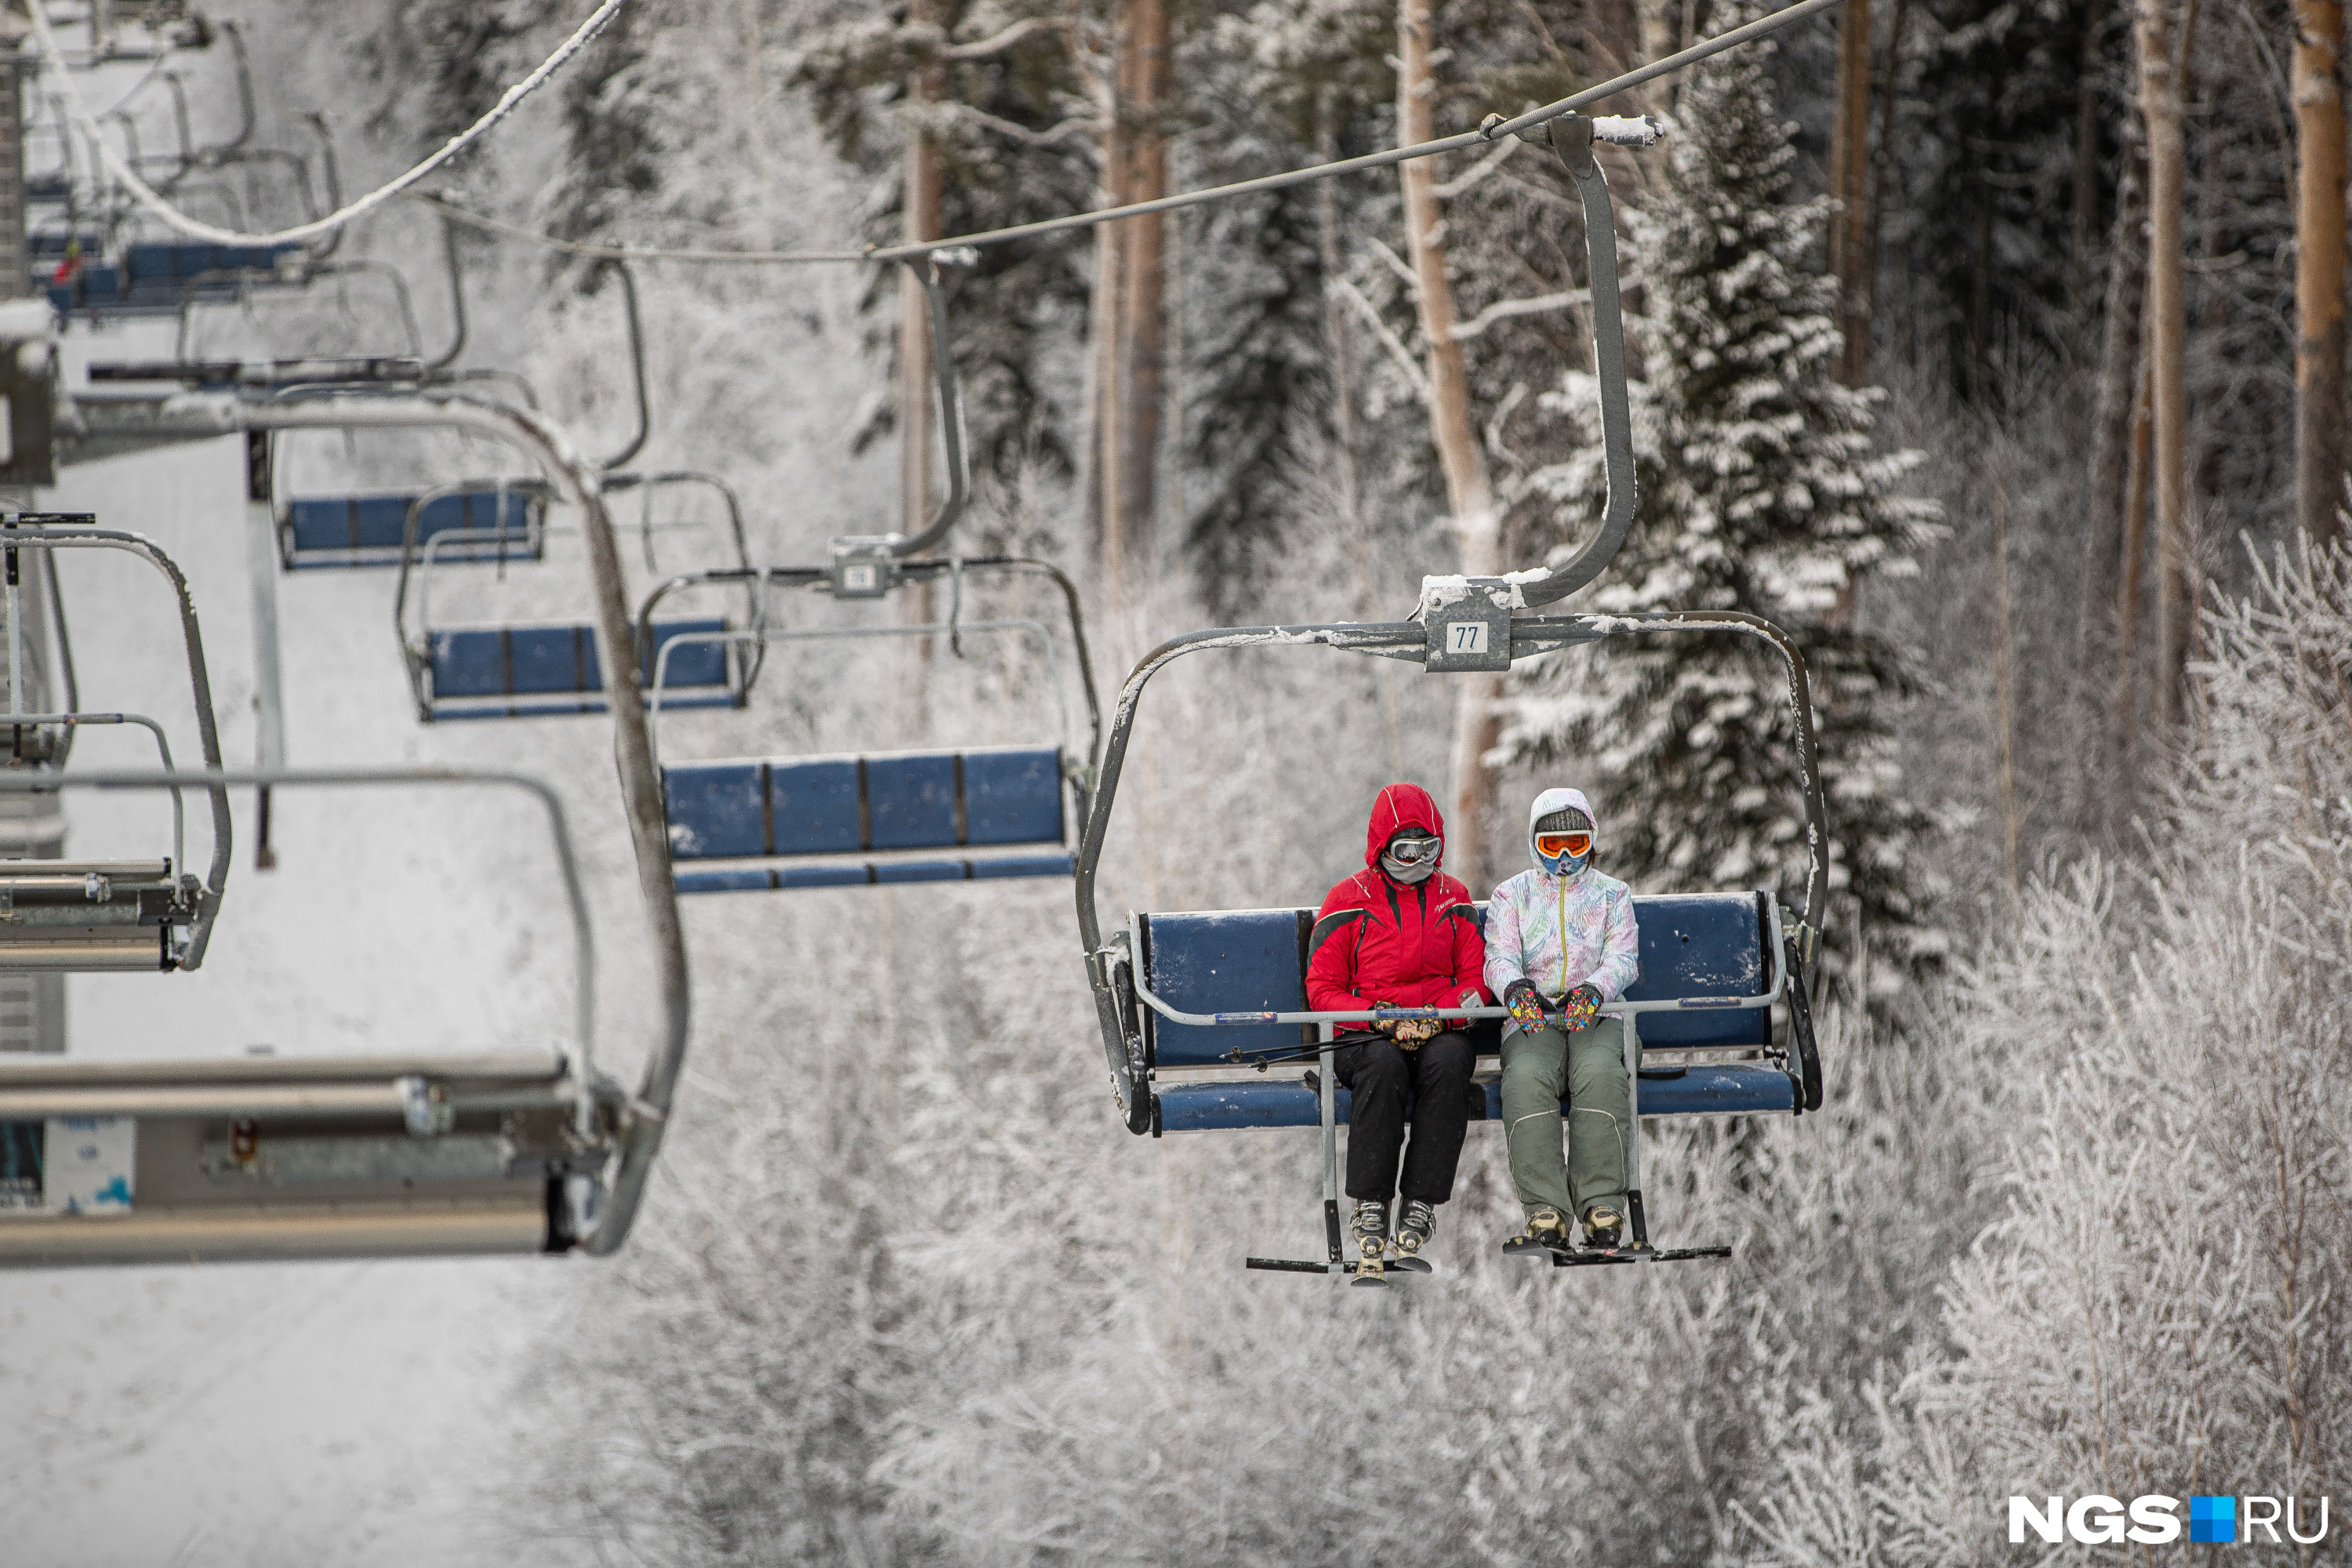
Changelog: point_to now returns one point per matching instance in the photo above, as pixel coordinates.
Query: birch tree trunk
(2117, 483)
(920, 213)
(1849, 237)
(2083, 216)
(2319, 267)
(2161, 42)
(1477, 722)
(1143, 257)
(1660, 37)
(918, 417)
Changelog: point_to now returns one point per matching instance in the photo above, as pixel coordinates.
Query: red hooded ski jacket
(1378, 940)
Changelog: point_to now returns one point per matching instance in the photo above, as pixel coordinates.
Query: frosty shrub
(2162, 1306)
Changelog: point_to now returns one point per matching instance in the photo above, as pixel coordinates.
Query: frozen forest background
(2075, 1217)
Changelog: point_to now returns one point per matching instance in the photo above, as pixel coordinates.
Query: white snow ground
(311, 1414)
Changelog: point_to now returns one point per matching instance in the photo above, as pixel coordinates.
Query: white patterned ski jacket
(1562, 932)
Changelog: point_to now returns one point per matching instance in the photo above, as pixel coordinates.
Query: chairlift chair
(780, 822)
(402, 1154)
(492, 519)
(528, 669)
(87, 916)
(1196, 1008)
(278, 1158)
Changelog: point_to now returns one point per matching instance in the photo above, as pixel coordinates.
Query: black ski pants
(1380, 1076)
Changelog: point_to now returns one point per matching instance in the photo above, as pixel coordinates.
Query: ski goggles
(1552, 846)
(1414, 851)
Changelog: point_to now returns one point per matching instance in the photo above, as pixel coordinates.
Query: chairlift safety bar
(761, 580)
(222, 779)
(761, 636)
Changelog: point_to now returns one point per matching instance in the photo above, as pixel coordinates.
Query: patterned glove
(1526, 1004)
(1580, 1008)
(1411, 1032)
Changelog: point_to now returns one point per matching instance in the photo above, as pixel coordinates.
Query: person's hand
(1411, 1032)
(1382, 1026)
(1580, 1008)
(1526, 1003)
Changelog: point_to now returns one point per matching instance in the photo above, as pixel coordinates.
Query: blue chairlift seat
(1694, 945)
(1005, 800)
(162, 271)
(368, 529)
(547, 670)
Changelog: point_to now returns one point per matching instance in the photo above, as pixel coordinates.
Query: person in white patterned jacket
(1562, 942)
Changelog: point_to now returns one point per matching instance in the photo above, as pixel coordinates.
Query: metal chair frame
(194, 905)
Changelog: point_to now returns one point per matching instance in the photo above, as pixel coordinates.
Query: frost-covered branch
(1054, 138)
(1004, 40)
(1503, 310)
(1389, 340)
(1470, 177)
(1398, 264)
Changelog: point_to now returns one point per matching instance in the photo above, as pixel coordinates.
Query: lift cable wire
(1496, 126)
(148, 197)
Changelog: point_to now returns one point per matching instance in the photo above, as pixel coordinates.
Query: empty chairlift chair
(285, 1157)
(165, 275)
(101, 915)
(527, 670)
(933, 816)
(493, 520)
(162, 278)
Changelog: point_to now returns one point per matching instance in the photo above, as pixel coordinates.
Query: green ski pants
(1541, 1067)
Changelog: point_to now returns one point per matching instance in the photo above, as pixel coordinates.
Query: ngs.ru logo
(2152, 1521)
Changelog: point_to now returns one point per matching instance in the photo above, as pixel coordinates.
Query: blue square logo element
(2214, 1518)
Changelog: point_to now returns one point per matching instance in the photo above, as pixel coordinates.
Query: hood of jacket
(1553, 800)
(1400, 806)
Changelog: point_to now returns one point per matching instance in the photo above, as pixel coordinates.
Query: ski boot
(1371, 1231)
(1546, 1232)
(1413, 1229)
(1604, 1229)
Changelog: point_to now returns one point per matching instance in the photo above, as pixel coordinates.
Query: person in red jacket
(1399, 934)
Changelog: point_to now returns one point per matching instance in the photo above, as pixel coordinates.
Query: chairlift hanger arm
(925, 271)
(448, 356)
(576, 483)
(1571, 136)
(637, 364)
(333, 174)
(236, 31)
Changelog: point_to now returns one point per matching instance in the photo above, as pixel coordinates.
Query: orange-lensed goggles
(1552, 846)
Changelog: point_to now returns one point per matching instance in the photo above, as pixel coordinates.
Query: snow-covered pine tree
(1761, 491)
